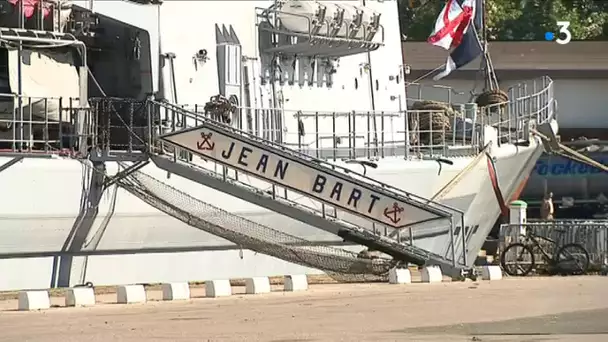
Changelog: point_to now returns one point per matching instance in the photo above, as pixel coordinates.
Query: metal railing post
(470, 111)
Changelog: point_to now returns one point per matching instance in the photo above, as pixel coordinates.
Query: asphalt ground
(525, 309)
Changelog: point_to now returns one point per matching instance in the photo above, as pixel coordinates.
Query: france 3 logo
(563, 34)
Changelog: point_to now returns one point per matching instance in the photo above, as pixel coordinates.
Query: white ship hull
(38, 220)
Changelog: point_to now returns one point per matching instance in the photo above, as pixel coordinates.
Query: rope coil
(492, 98)
(220, 109)
(432, 119)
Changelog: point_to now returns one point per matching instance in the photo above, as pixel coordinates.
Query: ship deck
(488, 311)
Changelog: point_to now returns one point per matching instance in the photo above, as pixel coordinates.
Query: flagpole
(486, 63)
(484, 38)
(491, 83)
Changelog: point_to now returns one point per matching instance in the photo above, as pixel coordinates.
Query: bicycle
(570, 259)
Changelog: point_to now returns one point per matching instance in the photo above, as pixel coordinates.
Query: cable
(454, 181)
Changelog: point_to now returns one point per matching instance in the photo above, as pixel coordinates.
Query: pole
(491, 83)
(20, 81)
(370, 77)
(484, 39)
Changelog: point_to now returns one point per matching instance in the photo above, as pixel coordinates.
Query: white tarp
(48, 74)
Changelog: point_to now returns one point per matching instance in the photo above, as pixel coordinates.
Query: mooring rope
(454, 181)
(573, 154)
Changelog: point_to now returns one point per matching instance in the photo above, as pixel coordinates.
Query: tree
(515, 19)
(417, 18)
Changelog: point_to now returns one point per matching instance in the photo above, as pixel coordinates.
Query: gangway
(357, 200)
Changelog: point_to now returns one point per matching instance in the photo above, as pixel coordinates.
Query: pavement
(525, 309)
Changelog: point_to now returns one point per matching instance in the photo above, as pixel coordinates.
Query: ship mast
(490, 81)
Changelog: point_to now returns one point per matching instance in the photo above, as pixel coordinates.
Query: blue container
(567, 178)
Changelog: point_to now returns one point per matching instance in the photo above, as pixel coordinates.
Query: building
(579, 69)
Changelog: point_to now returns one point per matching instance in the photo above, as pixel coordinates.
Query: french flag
(453, 30)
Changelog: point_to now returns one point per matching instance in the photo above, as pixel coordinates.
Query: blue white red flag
(453, 29)
(452, 23)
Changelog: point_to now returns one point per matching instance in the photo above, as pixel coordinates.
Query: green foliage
(515, 19)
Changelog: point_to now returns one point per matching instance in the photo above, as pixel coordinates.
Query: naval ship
(153, 141)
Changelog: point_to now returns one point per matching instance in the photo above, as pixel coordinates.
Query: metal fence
(592, 234)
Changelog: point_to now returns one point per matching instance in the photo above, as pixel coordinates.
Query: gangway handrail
(446, 210)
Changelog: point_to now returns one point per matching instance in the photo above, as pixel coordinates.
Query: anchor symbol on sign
(206, 144)
(393, 214)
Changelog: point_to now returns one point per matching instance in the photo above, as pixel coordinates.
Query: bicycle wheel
(517, 260)
(572, 258)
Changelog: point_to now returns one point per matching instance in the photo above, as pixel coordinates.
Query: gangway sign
(312, 179)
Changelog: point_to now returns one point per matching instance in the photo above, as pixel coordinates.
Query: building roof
(575, 59)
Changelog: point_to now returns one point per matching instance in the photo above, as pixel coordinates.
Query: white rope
(454, 181)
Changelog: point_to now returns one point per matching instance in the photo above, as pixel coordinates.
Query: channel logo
(563, 34)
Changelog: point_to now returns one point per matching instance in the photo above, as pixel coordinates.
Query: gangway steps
(400, 251)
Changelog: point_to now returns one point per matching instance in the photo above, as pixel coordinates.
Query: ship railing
(528, 102)
(592, 234)
(379, 134)
(43, 125)
(452, 130)
(358, 134)
(110, 124)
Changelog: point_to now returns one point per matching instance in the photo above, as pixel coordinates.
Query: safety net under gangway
(340, 264)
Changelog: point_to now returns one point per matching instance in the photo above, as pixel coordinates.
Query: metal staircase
(344, 202)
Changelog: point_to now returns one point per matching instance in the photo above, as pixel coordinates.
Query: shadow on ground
(592, 322)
